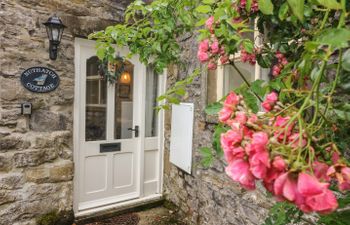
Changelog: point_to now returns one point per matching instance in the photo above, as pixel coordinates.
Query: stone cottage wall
(36, 152)
(207, 196)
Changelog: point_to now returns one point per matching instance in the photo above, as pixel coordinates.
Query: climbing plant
(296, 147)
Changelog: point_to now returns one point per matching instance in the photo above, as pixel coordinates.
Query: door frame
(78, 43)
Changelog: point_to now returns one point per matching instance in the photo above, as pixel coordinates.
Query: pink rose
(225, 114)
(279, 163)
(285, 186)
(209, 23)
(260, 141)
(231, 100)
(270, 101)
(267, 106)
(239, 171)
(203, 56)
(272, 97)
(212, 65)
(241, 117)
(342, 174)
(253, 118)
(259, 163)
(344, 184)
(215, 47)
(317, 195)
(204, 45)
(320, 171)
(231, 138)
(224, 59)
(233, 153)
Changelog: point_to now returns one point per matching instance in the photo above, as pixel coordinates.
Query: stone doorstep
(136, 207)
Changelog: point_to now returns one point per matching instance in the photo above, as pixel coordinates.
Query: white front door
(110, 149)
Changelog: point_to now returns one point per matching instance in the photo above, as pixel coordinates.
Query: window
(225, 78)
(151, 115)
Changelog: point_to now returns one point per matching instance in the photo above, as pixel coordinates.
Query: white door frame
(77, 128)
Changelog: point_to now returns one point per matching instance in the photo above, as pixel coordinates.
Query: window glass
(95, 110)
(151, 115)
(124, 103)
(221, 81)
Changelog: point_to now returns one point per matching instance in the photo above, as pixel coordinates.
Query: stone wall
(207, 196)
(36, 164)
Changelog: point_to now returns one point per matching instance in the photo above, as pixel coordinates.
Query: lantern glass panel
(55, 33)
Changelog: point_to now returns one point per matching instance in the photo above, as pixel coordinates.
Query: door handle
(136, 130)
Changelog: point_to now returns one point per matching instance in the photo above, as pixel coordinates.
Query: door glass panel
(96, 92)
(124, 103)
(151, 115)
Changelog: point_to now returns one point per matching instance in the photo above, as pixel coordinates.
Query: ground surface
(154, 216)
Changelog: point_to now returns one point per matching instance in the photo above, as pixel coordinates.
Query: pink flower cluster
(306, 192)
(210, 50)
(282, 61)
(248, 145)
(248, 57)
(270, 101)
(242, 6)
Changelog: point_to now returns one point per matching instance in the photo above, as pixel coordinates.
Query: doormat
(125, 219)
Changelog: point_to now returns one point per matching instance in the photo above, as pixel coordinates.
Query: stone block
(10, 181)
(61, 172)
(33, 157)
(5, 162)
(9, 117)
(50, 173)
(7, 197)
(9, 89)
(39, 174)
(45, 121)
(22, 125)
(12, 143)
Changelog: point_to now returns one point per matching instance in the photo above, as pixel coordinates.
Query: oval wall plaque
(40, 79)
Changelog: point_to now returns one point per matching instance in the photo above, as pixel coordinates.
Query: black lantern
(54, 29)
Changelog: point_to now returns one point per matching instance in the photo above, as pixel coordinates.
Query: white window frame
(220, 71)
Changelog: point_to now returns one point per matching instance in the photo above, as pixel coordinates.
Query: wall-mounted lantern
(125, 78)
(54, 29)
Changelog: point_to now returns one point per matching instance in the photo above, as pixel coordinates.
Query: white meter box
(181, 136)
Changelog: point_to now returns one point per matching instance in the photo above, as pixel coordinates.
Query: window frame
(220, 72)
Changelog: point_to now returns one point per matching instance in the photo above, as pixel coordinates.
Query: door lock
(136, 130)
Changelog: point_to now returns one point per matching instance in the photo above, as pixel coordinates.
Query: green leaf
(248, 5)
(297, 7)
(213, 108)
(208, 2)
(343, 114)
(248, 45)
(207, 156)
(251, 101)
(201, 22)
(346, 60)
(265, 6)
(265, 61)
(216, 139)
(203, 9)
(180, 91)
(259, 87)
(283, 11)
(331, 4)
(335, 37)
(101, 53)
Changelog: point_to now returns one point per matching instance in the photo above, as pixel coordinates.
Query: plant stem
(335, 82)
(245, 80)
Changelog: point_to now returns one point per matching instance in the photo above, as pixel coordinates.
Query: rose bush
(296, 147)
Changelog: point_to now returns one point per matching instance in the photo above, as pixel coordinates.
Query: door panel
(107, 112)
